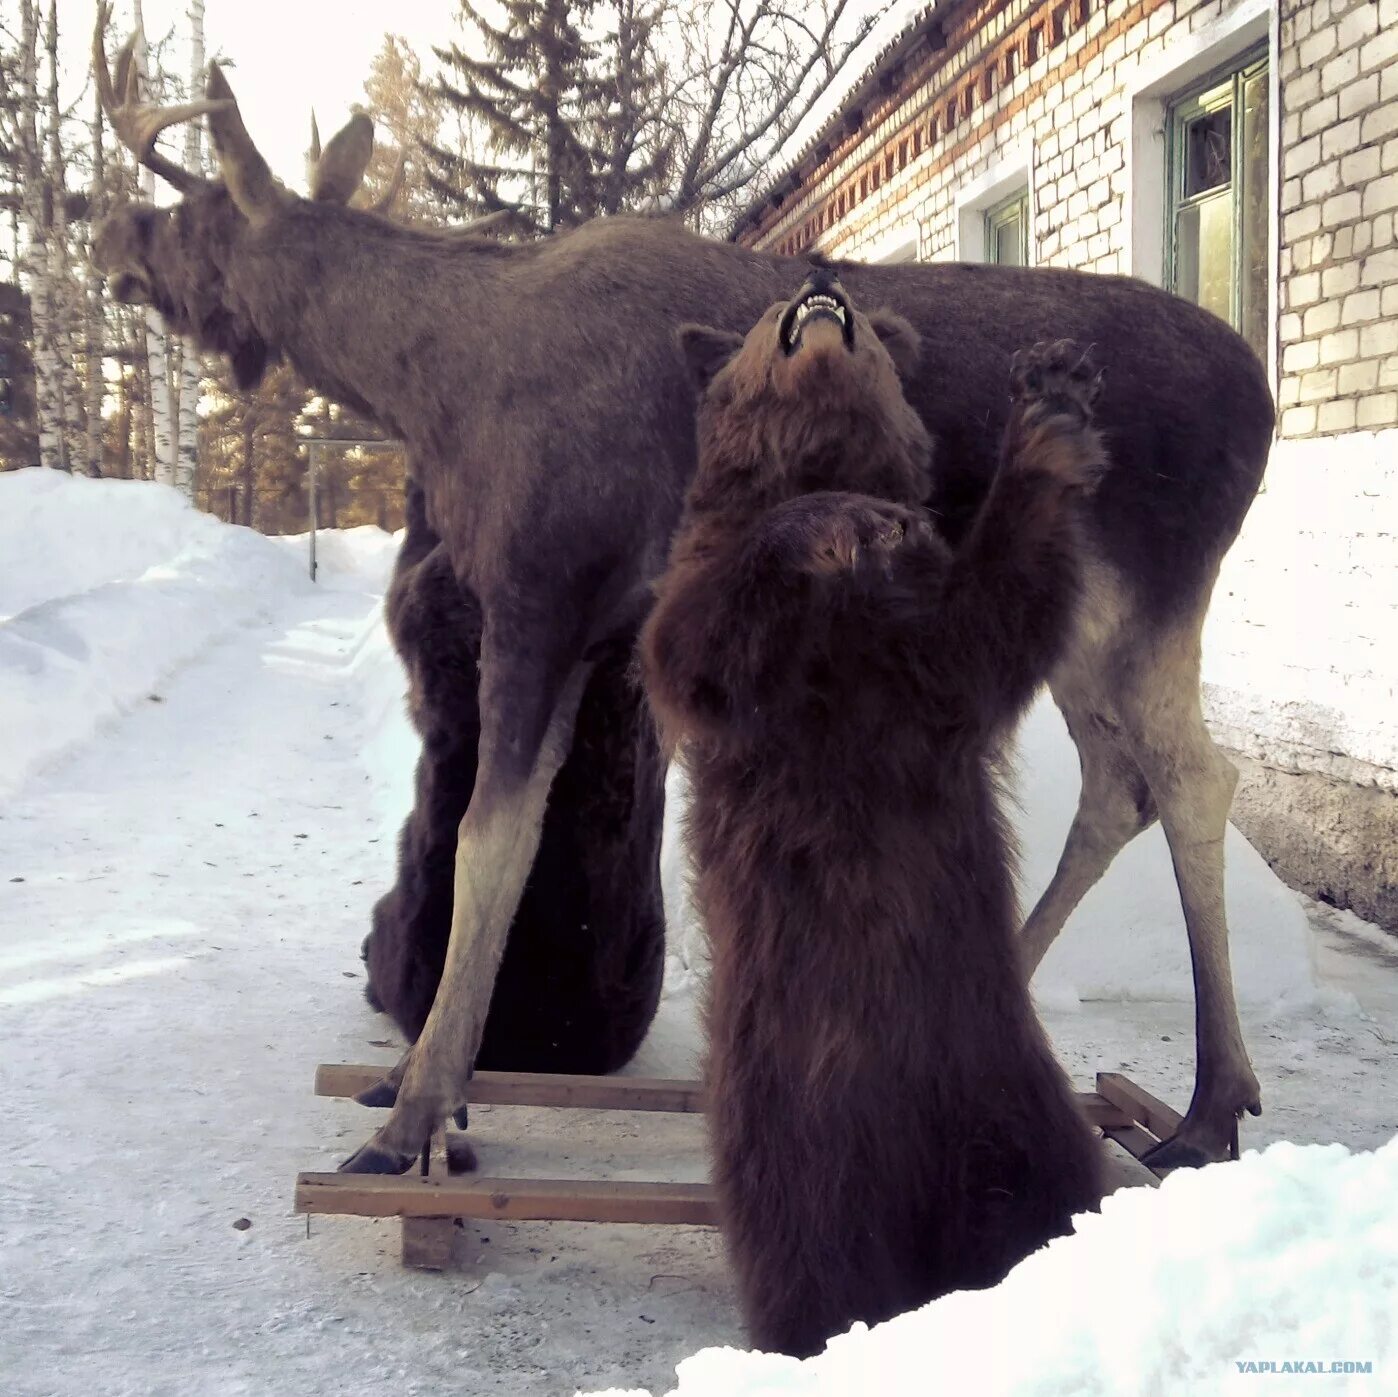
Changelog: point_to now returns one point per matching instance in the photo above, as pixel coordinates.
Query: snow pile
(62, 534)
(1288, 1256)
(391, 747)
(108, 587)
(1127, 939)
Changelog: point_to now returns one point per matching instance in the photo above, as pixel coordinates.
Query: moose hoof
(374, 1158)
(384, 1092)
(1200, 1141)
(1178, 1154)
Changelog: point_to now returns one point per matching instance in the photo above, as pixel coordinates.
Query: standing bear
(888, 1121)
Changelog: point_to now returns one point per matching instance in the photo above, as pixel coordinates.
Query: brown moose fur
(580, 978)
(888, 1121)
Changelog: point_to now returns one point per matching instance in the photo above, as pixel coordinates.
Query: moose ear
(339, 171)
(706, 351)
(903, 343)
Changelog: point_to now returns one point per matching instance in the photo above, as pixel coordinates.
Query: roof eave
(879, 81)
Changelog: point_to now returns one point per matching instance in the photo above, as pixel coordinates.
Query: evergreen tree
(558, 116)
(407, 115)
(635, 153)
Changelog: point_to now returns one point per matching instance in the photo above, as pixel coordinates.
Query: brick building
(1243, 154)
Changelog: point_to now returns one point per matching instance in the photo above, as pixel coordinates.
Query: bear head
(810, 399)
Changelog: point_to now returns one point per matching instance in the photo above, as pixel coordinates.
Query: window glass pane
(1204, 254)
(1218, 216)
(1253, 261)
(1208, 151)
(1009, 238)
(1006, 231)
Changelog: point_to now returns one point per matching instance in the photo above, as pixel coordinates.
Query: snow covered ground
(203, 761)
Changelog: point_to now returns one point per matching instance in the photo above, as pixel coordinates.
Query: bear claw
(1059, 373)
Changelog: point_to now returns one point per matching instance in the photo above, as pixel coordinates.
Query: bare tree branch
(750, 72)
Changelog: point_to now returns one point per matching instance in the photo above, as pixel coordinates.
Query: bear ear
(903, 343)
(706, 351)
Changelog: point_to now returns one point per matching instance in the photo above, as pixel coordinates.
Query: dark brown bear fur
(888, 1121)
(581, 974)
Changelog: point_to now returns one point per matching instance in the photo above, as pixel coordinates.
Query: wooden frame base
(432, 1201)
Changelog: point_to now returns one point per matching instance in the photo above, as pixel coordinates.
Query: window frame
(1011, 169)
(1222, 86)
(998, 215)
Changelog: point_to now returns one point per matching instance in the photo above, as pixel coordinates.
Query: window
(898, 246)
(1007, 231)
(1217, 180)
(995, 210)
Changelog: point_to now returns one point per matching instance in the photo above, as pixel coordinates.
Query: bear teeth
(814, 303)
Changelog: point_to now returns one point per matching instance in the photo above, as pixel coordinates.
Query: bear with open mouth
(888, 1122)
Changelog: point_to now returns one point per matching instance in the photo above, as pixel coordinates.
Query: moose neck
(360, 305)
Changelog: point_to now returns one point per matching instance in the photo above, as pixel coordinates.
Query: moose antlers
(334, 177)
(138, 123)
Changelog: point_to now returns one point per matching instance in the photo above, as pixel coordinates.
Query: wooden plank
(1136, 1142)
(610, 1093)
(1101, 1112)
(511, 1200)
(428, 1243)
(1161, 1120)
(540, 1089)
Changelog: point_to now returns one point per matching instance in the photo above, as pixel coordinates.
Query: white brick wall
(1299, 647)
(1338, 75)
(1301, 665)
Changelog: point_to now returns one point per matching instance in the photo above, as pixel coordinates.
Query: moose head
(181, 259)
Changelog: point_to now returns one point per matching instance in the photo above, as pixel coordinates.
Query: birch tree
(187, 462)
(95, 336)
(162, 407)
(61, 283)
(33, 241)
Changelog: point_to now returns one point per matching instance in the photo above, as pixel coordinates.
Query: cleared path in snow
(180, 952)
(181, 905)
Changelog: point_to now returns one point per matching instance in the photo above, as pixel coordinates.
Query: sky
(288, 56)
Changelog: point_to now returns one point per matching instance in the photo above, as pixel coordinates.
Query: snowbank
(358, 559)
(109, 586)
(1288, 1256)
(61, 535)
(1127, 939)
(391, 745)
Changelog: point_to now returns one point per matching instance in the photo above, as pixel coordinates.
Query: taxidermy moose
(549, 421)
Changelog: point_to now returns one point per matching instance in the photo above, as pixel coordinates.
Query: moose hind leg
(1114, 806)
(1192, 783)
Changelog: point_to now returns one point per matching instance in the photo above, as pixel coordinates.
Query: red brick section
(1044, 27)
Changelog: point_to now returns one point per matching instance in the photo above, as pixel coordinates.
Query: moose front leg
(527, 719)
